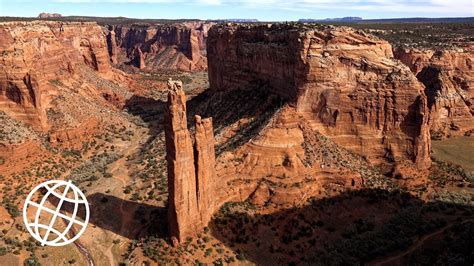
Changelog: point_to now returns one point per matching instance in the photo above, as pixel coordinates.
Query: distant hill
(101, 20)
(238, 20)
(391, 20)
(344, 19)
(49, 15)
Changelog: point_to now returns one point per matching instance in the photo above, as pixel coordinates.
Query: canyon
(448, 78)
(297, 119)
(176, 46)
(334, 82)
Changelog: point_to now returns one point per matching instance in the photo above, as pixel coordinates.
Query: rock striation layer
(191, 172)
(176, 46)
(36, 54)
(448, 76)
(345, 82)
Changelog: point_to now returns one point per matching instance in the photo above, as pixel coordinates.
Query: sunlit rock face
(344, 82)
(191, 171)
(34, 54)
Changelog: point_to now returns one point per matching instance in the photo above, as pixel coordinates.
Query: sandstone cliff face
(345, 82)
(191, 174)
(178, 46)
(288, 163)
(34, 54)
(448, 76)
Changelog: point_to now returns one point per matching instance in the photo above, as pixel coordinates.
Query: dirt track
(393, 259)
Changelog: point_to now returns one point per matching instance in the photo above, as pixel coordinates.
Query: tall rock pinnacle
(190, 179)
(182, 210)
(205, 160)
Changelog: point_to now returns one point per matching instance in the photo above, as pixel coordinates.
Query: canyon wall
(448, 76)
(343, 81)
(175, 46)
(191, 175)
(36, 54)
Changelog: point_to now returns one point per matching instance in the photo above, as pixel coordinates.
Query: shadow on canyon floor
(354, 228)
(129, 219)
(148, 109)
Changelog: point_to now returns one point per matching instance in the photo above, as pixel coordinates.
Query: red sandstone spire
(190, 188)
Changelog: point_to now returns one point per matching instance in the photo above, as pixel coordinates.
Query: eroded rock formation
(345, 82)
(35, 55)
(74, 137)
(139, 58)
(205, 161)
(112, 46)
(191, 174)
(448, 76)
(176, 46)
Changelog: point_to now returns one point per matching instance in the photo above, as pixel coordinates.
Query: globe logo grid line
(35, 226)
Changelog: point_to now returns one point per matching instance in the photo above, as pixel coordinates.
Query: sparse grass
(384, 223)
(458, 150)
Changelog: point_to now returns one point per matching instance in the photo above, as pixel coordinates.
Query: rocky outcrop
(415, 59)
(261, 195)
(36, 54)
(345, 82)
(139, 58)
(74, 137)
(49, 15)
(448, 76)
(112, 46)
(191, 174)
(20, 155)
(176, 46)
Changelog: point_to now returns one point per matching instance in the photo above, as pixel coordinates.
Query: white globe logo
(49, 233)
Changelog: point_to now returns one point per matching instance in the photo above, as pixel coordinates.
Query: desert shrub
(97, 163)
(12, 209)
(3, 251)
(208, 252)
(127, 190)
(32, 261)
(240, 256)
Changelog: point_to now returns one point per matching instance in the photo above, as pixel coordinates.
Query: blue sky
(269, 10)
